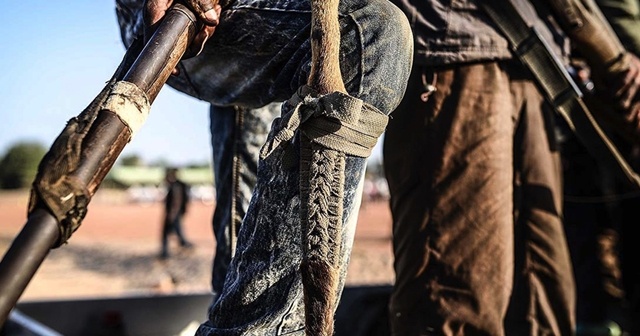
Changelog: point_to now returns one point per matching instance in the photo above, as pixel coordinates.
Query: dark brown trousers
(475, 182)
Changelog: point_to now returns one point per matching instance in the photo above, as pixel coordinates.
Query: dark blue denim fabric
(237, 135)
(263, 289)
(260, 53)
(262, 294)
(246, 64)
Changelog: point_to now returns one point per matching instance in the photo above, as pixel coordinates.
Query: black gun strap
(558, 87)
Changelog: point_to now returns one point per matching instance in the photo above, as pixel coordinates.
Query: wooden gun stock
(101, 146)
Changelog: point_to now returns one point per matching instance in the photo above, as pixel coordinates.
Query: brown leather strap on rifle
(558, 87)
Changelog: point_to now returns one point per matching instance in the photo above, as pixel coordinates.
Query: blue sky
(56, 56)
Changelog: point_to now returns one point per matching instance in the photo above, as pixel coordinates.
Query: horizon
(58, 58)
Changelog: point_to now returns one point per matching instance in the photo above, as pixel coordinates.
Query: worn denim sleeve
(262, 293)
(260, 53)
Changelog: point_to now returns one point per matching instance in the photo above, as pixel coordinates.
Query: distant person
(262, 292)
(237, 134)
(175, 205)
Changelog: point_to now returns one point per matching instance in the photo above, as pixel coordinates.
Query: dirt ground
(115, 250)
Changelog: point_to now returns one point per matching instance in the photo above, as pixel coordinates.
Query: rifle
(84, 152)
(559, 88)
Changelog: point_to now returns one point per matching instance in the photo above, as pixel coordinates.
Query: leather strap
(558, 87)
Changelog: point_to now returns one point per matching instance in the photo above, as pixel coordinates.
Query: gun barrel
(102, 146)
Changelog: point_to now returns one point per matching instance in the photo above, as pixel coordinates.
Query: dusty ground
(114, 251)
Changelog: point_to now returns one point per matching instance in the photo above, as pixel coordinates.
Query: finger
(619, 91)
(627, 94)
(205, 34)
(211, 17)
(196, 46)
(155, 10)
(630, 82)
(206, 10)
(635, 112)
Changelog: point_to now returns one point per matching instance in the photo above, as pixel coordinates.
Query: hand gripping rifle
(84, 152)
(558, 86)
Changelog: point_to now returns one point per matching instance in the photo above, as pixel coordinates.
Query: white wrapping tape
(130, 104)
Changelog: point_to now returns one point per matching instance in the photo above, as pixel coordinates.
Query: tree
(132, 160)
(18, 167)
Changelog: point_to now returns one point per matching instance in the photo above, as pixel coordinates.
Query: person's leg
(177, 230)
(449, 165)
(543, 299)
(237, 134)
(164, 239)
(260, 53)
(587, 216)
(262, 294)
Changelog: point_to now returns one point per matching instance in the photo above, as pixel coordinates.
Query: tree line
(19, 164)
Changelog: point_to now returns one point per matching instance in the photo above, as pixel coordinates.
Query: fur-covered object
(319, 271)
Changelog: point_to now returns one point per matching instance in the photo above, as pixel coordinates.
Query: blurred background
(57, 56)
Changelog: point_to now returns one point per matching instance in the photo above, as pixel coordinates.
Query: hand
(625, 80)
(625, 88)
(207, 11)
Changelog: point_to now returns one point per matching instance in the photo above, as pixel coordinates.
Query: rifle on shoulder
(559, 88)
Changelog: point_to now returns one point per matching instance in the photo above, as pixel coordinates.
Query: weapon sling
(558, 87)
